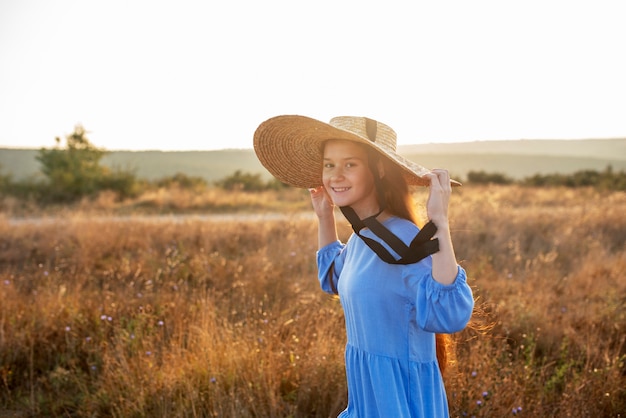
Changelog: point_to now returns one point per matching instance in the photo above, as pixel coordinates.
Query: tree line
(74, 170)
(607, 179)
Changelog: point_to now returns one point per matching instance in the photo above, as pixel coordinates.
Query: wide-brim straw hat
(290, 147)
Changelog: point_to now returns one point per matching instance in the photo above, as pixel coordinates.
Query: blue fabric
(392, 313)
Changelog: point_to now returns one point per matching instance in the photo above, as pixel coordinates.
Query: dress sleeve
(330, 256)
(444, 308)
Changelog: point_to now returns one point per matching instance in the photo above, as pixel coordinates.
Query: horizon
(400, 146)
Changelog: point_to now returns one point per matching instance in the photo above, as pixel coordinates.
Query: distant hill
(587, 148)
(151, 165)
(516, 159)
(521, 158)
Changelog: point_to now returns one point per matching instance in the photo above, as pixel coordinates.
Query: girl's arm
(445, 267)
(324, 209)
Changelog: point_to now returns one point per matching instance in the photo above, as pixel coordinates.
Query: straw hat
(291, 147)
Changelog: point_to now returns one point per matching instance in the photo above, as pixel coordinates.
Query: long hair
(399, 202)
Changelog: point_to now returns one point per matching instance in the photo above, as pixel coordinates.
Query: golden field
(108, 312)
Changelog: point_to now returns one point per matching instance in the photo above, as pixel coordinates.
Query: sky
(202, 75)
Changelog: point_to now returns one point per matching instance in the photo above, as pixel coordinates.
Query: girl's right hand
(322, 204)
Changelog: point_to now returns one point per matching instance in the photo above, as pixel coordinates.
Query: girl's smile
(347, 176)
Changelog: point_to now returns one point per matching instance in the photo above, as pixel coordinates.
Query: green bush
(122, 182)
(247, 182)
(183, 181)
(605, 180)
(482, 177)
(74, 171)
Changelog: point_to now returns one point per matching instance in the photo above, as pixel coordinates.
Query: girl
(399, 287)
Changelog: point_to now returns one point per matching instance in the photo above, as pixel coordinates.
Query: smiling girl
(400, 286)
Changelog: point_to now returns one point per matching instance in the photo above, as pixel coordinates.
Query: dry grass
(164, 201)
(189, 317)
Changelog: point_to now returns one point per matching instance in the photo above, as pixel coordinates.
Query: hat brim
(290, 147)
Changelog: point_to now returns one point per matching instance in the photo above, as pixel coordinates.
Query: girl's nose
(337, 174)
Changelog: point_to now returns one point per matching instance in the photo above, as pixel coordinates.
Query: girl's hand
(439, 197)
(322, 204)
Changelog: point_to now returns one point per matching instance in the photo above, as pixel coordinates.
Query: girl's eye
(328, 165)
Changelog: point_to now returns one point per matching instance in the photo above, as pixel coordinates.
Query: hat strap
(421, 247)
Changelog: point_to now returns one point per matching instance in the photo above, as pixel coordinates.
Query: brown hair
(399, 202)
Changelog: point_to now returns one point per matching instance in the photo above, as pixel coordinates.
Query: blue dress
(392, 313)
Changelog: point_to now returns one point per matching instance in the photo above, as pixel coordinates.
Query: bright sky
(198, 75)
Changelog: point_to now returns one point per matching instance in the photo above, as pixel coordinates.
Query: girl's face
(347, 178)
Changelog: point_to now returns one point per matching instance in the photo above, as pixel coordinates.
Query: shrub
(482, 177)
(247, 182)
(604, 180)
(122, 182)
(74, 171)
(182, 181)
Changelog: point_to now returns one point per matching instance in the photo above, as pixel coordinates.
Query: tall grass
(189, 317)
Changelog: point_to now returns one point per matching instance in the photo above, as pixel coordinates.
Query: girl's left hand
(439, 197)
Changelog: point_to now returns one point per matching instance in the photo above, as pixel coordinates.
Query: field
(107, 313)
